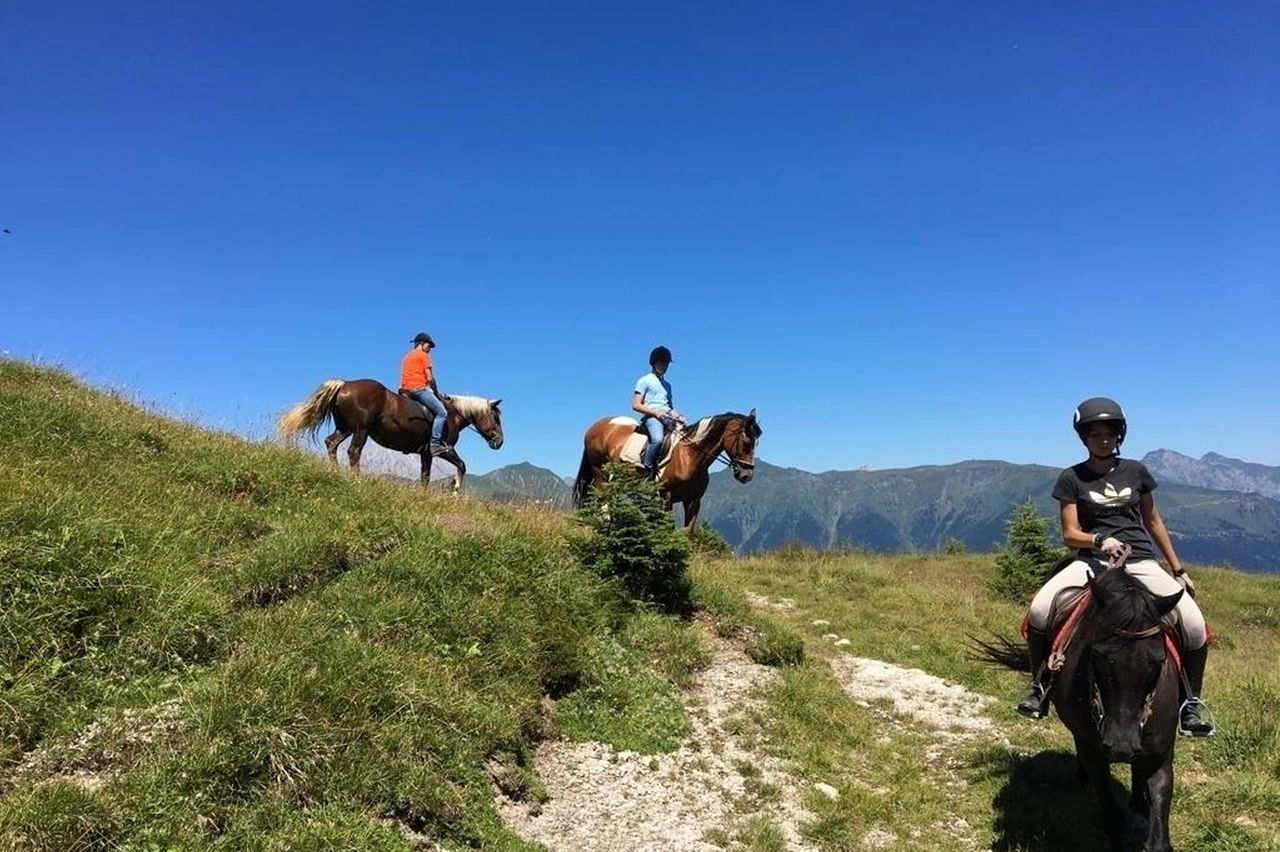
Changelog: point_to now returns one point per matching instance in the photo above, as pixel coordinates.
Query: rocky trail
(696, 798)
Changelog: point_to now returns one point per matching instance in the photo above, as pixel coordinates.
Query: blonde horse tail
(582, 485)
(308, 415)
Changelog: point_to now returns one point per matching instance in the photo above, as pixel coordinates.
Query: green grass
(209, 644)
(917, 611)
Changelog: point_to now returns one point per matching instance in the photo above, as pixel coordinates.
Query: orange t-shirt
(415, 370)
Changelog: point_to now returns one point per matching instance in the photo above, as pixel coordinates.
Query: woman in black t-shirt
(1105, 503)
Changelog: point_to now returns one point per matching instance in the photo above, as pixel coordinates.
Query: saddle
(1070, 604)
(417, 411)
(638, 441)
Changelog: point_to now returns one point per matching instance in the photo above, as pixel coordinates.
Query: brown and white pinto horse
(365, 408)
(683, 461)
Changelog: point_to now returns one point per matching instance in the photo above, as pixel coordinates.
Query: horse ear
(1100, 592)
(752, 415)
(494, 403)
(1168, 602)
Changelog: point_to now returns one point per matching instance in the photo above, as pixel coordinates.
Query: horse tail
(1001, 651)
(582, 485)
(308, 415)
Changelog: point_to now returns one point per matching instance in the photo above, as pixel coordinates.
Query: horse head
(739, 443)
(1127, 663)
(481, 413)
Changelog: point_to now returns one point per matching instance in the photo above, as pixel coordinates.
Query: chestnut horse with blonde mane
(683, 461)
(365, 408)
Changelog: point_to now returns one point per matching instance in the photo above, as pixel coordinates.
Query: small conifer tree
(634, 542)
(1025, 557)
(707, 539)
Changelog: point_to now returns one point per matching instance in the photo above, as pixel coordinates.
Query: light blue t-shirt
(654, 392)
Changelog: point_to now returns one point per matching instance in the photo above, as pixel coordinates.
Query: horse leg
(691, 508)
(1157, 796)
(1096, 768)
(460, 470)
(425, 475)
(459, 467)
(357, 446)
(331, 445)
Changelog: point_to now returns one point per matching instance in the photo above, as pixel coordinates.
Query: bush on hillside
(709, 541)
(1025, 557)
(634, 543)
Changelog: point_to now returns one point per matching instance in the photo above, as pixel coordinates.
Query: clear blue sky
(907, 233)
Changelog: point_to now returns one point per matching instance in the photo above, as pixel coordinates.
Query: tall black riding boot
(1190, 722)
(1036, 704)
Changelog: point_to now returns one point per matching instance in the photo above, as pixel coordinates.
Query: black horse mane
(1120, 603)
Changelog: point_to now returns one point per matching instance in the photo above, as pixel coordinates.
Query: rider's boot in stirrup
(1036, 704)
(1190, 723)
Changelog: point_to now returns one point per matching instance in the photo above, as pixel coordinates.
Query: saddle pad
(633, 449)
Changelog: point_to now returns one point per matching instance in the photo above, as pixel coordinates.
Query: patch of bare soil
(602, 800)
(697, 798)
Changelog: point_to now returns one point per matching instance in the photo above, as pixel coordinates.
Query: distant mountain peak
(1214, 471)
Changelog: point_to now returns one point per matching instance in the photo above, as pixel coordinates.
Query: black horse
(1117, 691)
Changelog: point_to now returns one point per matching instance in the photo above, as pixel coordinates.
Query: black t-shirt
(1108, 503)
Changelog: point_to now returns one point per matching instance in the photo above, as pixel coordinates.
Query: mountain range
(1219, 510)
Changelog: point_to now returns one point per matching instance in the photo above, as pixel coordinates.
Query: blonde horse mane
(470, 407)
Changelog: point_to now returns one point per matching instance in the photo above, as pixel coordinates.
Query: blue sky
(907, 233)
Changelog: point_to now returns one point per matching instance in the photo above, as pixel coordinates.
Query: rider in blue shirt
(652, 400)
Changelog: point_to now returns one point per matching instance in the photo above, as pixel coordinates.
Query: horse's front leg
(425, 475)
(691, 509)
(1097, 770)
(1157, 797)
(331, 445)
(459, 467)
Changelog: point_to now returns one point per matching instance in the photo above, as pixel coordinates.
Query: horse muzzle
(495, 442)
(743, 472)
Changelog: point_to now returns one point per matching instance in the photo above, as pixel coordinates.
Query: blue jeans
(654, 427)
(436, 407)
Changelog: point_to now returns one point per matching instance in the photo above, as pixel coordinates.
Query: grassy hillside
(213, 644)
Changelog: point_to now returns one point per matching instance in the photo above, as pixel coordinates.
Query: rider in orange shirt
(418, 380)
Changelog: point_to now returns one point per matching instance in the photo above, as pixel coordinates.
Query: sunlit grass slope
(207, 643)
(1016, 790)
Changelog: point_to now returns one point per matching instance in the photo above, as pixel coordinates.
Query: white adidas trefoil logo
(1110, 496)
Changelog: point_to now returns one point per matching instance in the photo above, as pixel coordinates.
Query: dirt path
(696, 798)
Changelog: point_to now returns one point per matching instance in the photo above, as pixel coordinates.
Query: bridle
(465, 421)
(1098, 708)
(737, 465)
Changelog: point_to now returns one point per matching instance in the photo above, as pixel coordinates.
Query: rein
(723, 456)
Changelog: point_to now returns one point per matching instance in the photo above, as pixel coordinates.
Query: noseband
(736, 464)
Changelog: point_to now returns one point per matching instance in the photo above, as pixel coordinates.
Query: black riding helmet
(423, 337)
(660, 353)
(1099, 409)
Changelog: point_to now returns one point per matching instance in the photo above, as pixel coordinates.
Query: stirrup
(1193, 707)
(1035, 705)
